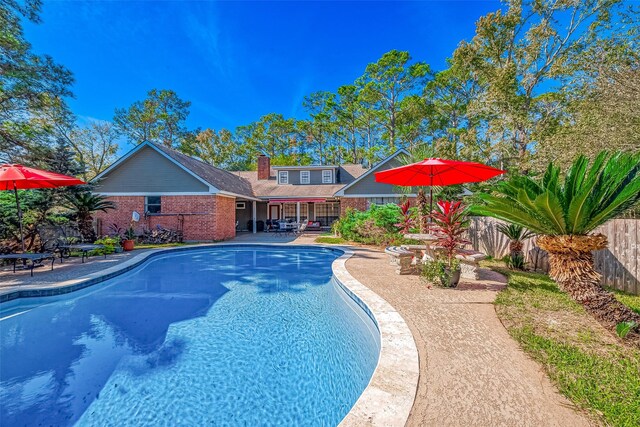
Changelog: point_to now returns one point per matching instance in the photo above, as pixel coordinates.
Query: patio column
(253, 215)
(298, 212)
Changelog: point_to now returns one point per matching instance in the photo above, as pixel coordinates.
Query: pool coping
(388, 398)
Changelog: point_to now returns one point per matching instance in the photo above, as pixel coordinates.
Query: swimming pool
(229, 335)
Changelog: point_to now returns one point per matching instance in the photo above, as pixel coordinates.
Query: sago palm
(516, 234)
(84, 205)
(564, 213)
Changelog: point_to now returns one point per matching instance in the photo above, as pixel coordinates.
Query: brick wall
(224, 218)
(213, 219)
(121, 216)
(357, 203)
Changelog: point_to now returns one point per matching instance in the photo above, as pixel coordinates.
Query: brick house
(170, 189)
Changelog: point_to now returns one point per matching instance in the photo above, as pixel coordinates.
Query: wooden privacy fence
(619, 264)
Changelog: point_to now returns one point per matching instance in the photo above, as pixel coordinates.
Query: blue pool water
(234, 335)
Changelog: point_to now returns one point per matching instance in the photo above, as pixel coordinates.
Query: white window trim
(241, 205)
(146, 204)
(282, 174)
(308, 177)
(330, 175)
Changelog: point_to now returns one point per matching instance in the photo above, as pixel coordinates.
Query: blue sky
(236, 61)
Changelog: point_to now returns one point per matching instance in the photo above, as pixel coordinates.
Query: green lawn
(589, 365)
(331, 240)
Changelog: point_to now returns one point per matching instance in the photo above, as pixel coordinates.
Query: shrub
(109, 243)
(439, 271)
(377, 226)
(451, 223)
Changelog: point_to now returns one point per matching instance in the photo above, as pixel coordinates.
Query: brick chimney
(264, 167)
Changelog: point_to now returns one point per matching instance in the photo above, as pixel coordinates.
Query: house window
(289, 210)
(152, 204)
(383, 200)
(327, 176)
(283, 177)
(327, 213)
(240, 205)
(305, 177)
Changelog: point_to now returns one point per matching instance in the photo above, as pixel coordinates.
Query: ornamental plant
(564, 209)
(451, 224)
(406, 220)
(84, 205)
(516, 234)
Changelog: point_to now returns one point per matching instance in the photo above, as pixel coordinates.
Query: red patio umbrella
(18, 177)
(438, 172)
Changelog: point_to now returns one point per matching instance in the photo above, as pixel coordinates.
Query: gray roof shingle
(270, 187)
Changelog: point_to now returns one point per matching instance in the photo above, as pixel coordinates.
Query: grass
(331, 240)
(631, 301)
(588, 364)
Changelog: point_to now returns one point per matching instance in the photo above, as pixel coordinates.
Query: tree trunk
(571, 262)
(85, 226)
(421, 202)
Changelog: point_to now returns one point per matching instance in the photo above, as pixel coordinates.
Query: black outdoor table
(85, 248)
(30, 257)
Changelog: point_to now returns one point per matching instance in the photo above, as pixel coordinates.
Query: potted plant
(128, 243)
(451, 223)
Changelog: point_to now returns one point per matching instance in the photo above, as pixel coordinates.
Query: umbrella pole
(430, 202)
(15, 189)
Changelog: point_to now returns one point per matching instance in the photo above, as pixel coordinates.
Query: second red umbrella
(18, 177)
(438, 172)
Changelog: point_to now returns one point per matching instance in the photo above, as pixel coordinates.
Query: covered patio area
(254, 217)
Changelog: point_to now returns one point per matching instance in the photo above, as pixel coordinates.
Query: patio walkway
(71, 268)
(471, 371)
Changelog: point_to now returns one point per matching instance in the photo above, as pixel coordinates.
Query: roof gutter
(241, 196)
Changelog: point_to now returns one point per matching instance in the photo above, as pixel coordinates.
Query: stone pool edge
(389, 396)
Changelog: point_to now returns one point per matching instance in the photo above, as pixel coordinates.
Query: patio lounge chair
(36, 259)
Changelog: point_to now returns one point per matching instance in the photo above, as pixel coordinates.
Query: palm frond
(514, 232)
(586, 197)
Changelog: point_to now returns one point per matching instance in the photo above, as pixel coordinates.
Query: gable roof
(270, 188)
(218, 180)
(246, 183)
(370, 171)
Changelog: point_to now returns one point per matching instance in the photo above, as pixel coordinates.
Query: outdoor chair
(301, 229)
(283, 228)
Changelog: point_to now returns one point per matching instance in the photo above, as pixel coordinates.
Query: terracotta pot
(128, 245)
